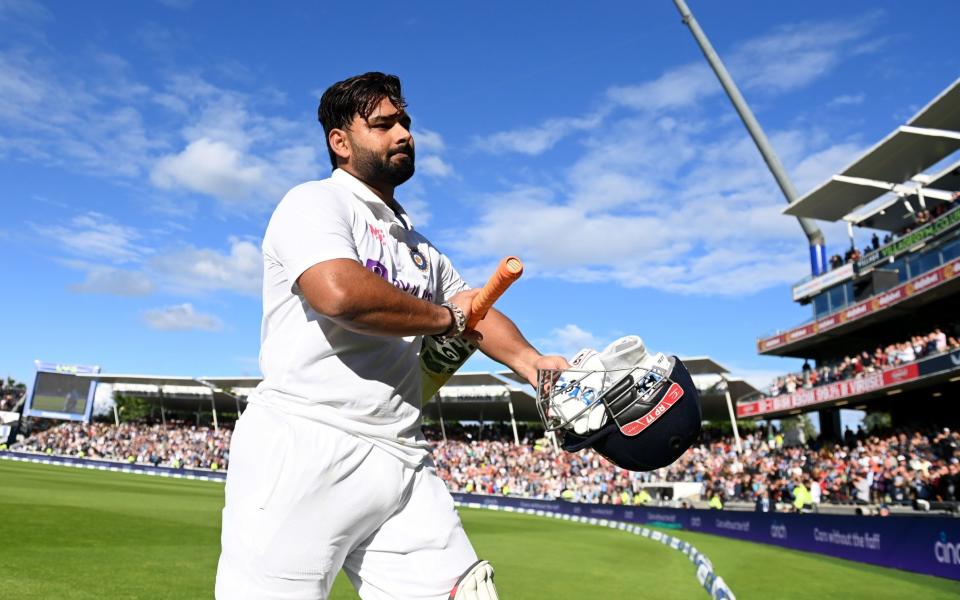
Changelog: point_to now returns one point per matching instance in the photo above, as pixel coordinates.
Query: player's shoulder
(315, 192)
(322, 196)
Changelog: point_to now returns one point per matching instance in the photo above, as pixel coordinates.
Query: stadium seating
(175, 445)
(894, 468)
(927, 344)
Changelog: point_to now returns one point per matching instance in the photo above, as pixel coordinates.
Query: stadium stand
(11, 394)
(857, 365)
(174, 445)
(880, 338)
(888, 468)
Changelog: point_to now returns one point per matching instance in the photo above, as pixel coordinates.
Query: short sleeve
(450, 281)
(311, 224)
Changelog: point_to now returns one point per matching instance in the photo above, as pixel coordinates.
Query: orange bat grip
(509, 270)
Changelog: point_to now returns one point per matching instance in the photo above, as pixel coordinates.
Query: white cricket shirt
(364, 384)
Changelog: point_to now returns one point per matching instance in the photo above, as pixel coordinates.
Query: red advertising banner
(915, 286)
(927, 281)
(890, 297)
(901, 374)
(770, 343)
(831, 391)
(828, 322)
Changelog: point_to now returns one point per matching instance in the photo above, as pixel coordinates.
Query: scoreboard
(58, 392)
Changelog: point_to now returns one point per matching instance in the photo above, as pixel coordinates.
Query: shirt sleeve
(450, 281)
(312, 224)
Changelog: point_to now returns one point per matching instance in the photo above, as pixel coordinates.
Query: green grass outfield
(68, 533)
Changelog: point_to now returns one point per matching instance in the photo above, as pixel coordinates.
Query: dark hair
(356, 96)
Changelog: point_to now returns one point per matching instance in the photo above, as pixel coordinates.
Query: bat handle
(509, 270)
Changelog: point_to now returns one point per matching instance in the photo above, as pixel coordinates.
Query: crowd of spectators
(895, 467)
(858, 365)
(11, 394)
(921, 218)
(176, 445)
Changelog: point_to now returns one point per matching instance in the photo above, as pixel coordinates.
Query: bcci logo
(947, 553)
(419, 259)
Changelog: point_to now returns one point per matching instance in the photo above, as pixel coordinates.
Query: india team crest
(419, 259)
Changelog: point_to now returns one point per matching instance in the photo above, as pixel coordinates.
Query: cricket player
(329, 468)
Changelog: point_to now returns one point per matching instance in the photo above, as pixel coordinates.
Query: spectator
(178, 445)
(895, 467)
(866, 362)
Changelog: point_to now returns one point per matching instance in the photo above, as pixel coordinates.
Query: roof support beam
(940, 133)
(896, 188)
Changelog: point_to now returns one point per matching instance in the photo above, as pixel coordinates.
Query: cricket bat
(440, 361)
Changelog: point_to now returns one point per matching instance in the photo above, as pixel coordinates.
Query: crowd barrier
(122, 467)
(922, 544)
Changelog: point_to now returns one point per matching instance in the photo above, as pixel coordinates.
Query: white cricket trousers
(304, 500)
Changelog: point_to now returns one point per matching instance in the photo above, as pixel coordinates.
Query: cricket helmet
(640, 418)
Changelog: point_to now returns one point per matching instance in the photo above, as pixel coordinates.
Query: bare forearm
(504, 343)
(361, 301)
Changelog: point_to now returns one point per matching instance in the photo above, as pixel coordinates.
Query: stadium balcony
(885, 189)
(891, 389)
(934, 279)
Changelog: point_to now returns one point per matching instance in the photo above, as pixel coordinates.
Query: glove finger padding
(577, 393)
(476, 584)
(627, 353)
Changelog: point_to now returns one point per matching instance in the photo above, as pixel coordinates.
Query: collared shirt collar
(367, 195)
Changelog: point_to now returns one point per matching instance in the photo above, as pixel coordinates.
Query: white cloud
(208, 140)
(233, 152)
(680, 202)
(91, 133)
(787, 59)
(677, 88)
(795, 55)
(117, 282)
(95, 244)
(209, 167)
(193, 270)
(433, 166)
(181, 317)
(712, 227)
(536, 140)
(814, 169)
(848, 100)
(95, 236)
(428, 140)
(569, 339)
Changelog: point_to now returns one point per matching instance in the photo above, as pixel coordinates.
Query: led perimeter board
(58, 393)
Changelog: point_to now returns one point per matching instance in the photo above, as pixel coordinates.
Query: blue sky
(144, 144)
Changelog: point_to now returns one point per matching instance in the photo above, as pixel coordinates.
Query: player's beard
(373, 167)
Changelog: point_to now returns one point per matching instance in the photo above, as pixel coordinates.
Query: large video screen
(59, 393)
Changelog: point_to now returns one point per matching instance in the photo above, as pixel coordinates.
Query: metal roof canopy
(929, 137)
(893, 215)
(467, 396)
(158, 380)
(703, 365)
